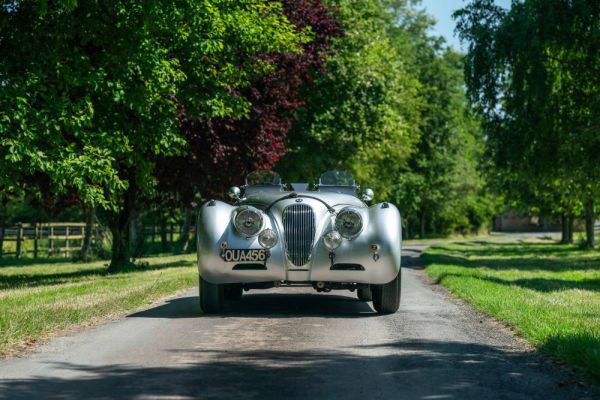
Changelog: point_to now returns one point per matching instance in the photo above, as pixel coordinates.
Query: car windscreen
(337, 178)
(263, 177)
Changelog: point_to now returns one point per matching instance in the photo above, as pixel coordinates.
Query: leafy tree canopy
(221, 151)
(362, 115)
(90, 90)
(442, 189)
(533, 71)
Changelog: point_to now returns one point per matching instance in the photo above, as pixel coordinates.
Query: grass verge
(434, 239)
(38, 300)
(548, 293)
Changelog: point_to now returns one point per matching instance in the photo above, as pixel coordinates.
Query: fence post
(163, 235)
(66, 241)
(153, 233)
(51, 240)
(1, 240)
(171, 233)
(19, 239)
(35, 240)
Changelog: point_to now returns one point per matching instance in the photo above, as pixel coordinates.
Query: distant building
(513, 221)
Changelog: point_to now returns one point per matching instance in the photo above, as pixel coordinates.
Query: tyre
(233, 292)
(386, 298)
(365, 294)
(212, 297)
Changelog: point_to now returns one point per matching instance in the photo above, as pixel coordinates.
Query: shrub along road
(294, 344)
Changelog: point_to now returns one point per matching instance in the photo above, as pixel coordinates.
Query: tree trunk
(140, 239)
(564, 224)
(90, 216)
(422, 224)
(185, 230)
(163, 234)
(590, 219)
(136, 235)
(118, 223)
(101, 235)
(133, 233)
(1, 240)
(121, 255)
(570, 228)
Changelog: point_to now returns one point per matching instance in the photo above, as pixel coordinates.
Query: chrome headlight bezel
(263, 236)
(342, 219)
(332, 240)
(250, 214)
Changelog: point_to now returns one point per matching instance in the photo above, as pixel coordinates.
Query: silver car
(288, 235)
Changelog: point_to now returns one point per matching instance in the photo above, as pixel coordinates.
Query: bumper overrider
(296, 244)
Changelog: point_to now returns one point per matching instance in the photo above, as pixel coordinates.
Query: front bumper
(383, 230)
(320, 268)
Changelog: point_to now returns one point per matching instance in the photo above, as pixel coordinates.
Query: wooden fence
(56, 238)
(42, 238)
(171, 233)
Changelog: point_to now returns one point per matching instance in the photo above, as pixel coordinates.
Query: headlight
(332, 240)
(248, 221)
(267, 239)
(348, 222)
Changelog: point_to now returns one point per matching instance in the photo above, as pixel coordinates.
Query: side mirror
(234, 193)
(368, 195)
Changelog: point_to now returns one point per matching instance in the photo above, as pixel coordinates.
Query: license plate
(241, 255)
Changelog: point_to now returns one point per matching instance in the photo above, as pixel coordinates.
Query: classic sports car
(277, 235)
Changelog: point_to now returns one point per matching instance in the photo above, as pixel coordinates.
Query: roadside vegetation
(38, 300)
(532, 73)
(237, 87)
(548, 293)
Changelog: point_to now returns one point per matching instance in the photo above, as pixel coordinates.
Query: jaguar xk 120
(286, 235)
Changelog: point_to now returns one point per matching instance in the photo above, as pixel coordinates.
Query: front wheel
(364, 294)
(234, 292)
(212, 297)
(386, 298)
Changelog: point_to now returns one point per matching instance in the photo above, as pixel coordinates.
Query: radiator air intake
(299, 233)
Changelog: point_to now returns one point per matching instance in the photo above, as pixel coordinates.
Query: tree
(534, 74)
(442, 189)
(91, 91)
(392, 110)
(363, 114)
(221, 151)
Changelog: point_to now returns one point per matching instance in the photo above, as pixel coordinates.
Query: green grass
(40, 299)
(548, 293)
(435, 239)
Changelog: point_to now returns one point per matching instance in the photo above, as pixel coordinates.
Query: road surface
(294, 344)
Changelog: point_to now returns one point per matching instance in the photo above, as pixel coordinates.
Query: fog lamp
(332, 240)
(267, 238)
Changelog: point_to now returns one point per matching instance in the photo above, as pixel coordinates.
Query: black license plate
(241, 255)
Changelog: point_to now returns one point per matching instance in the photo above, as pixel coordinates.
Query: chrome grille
(299, 231)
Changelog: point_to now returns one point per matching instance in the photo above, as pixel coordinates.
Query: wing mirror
(368, 195)
(234, 193)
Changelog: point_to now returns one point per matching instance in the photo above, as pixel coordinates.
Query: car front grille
(299, 231)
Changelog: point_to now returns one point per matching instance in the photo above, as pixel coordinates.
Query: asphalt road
(294, 344)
